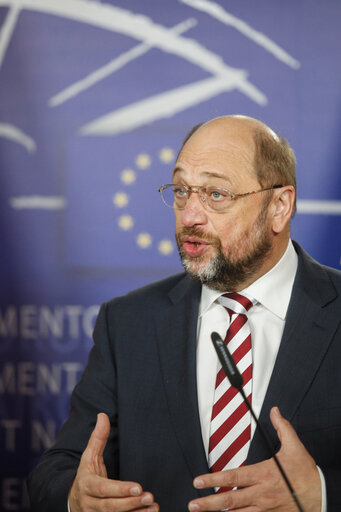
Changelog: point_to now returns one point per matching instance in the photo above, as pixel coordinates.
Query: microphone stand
(236, 380)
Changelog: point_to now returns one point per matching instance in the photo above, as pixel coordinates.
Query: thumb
(286, 433)
(93, 454)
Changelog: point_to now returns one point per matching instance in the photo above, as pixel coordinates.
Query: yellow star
(125, 222)
(143, 161)
(120, 199)
(166, 247)
(128, 176)
(166, 155)
(144, 240)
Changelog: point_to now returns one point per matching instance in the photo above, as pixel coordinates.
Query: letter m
(9, 322)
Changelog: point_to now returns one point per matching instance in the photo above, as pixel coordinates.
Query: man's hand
(93, 491)
(262, 486)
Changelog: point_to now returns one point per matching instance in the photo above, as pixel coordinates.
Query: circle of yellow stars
(120, 199)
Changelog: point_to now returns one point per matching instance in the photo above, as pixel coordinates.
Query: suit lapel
(308, 332)
(176, 338)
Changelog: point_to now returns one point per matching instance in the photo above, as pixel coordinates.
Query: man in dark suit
(150, 370)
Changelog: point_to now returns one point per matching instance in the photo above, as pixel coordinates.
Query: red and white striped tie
(230, 430)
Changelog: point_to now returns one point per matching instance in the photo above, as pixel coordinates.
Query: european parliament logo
(109, 90)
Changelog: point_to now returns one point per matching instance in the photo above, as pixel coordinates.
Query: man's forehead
(215, 148)
(228, 134)
(236, 122)
(210, 173)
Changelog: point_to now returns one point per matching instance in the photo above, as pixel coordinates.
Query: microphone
(236, 381)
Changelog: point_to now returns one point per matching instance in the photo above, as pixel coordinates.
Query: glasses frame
(201, 191)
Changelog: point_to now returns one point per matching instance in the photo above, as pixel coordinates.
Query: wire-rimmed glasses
(214, 199)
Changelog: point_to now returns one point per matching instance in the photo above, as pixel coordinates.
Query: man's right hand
(92, 490)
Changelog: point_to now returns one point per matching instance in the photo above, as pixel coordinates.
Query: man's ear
(281, 208)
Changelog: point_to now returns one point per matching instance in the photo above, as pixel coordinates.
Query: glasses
(214, 199)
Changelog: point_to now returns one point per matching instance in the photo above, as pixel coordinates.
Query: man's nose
(194, 212)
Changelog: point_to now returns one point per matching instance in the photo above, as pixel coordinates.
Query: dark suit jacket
(142, 373)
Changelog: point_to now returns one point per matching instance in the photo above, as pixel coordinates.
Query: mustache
(197, 232)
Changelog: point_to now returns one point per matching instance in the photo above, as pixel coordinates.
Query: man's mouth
(193, 246)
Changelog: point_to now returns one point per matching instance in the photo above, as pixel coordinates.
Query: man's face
(227, 251)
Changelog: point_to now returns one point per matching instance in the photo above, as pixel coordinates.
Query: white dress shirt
(267, 317)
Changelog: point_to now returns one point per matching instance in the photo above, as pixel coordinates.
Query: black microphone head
(215, 337)
(227, 361)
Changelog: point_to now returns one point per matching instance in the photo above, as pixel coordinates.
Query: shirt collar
(272, 290)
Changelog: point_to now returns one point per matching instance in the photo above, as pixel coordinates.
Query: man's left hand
(261, 486)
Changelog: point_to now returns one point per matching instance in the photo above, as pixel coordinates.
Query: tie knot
(235, 302)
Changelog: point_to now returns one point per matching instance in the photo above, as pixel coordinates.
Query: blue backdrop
(95, 98)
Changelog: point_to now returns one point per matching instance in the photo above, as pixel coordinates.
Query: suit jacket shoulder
(172, 288)
(321, 277)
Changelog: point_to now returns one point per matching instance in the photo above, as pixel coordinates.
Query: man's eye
(179, 191)
(217, 195)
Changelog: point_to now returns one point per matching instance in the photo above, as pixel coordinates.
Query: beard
(240, 263)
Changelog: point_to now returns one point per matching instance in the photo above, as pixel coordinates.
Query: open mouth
(194, 247)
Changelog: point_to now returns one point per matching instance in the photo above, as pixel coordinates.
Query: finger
(100, 434)
(231, 500)
(286, 433)
(93, 454)
(121, 504)
(239, 477)
(151, 508)
(99, 487)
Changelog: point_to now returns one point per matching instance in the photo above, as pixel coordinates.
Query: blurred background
(95, 99)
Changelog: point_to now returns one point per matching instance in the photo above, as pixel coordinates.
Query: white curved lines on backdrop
(144, 29)
(125, 22)
(7, 29)
(110, 68)
(216, 11)
(319, 207)
(169, 103)
(38, 203)
(126, 222)
(9, 131)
